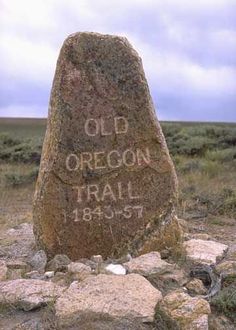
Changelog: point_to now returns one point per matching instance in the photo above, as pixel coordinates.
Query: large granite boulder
(106, 183)
(108, 302)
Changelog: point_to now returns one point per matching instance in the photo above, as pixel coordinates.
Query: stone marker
(106, 184)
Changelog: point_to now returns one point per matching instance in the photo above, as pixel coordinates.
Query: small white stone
(49, 274)
(116, 269)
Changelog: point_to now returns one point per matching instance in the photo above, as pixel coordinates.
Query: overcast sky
(188, 49)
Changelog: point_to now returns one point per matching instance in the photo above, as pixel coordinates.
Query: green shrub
(24, 152)
(225, 301)
(195, 139)
(218, 203)
(17, 179)
(7, 141)
(228, 206)
(163, 321)
(210, 168)
(225, 155)
(191, 165)
(197, 146)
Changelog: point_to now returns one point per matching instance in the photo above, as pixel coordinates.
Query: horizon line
(161, 120)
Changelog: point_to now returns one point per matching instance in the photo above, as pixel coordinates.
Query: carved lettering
(129, 158)
(91, 127)
(86, 158)
(98, 158)
(108, 192)
(72, 162)
(130, 192)
(100, 193)
(92, 190)
(106, 127)
(103, 130)
(102, 160)
(113, 159)
(143, 158)
(79, 192)
(121, 125)
(87, 214)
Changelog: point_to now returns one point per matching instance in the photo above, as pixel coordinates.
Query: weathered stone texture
(114, 299)
(107, 184)
(205, 252)
(28, 294)
(190, 313)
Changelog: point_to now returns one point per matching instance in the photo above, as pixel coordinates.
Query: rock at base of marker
(28, 294)
(106, 183)
(149, 264)
(205, 252)
(108, 302)
(187, 312)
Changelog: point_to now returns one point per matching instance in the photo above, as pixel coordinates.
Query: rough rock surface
(202, 236)
(23, 242)
(28, 294)
(78, 270)
(105, 166)
(227, 268)
(59, 263)
(220, 322)
(196, 286)
(3, 270)
(39, 261)
(205, 252)
(108, 299)
(190, 313)
(149, 264)
(16, 268)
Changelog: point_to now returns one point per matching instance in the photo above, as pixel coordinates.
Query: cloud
(24, 111)
(25, 59)
(187, 48)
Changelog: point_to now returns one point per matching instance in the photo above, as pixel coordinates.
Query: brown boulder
(106, 184)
